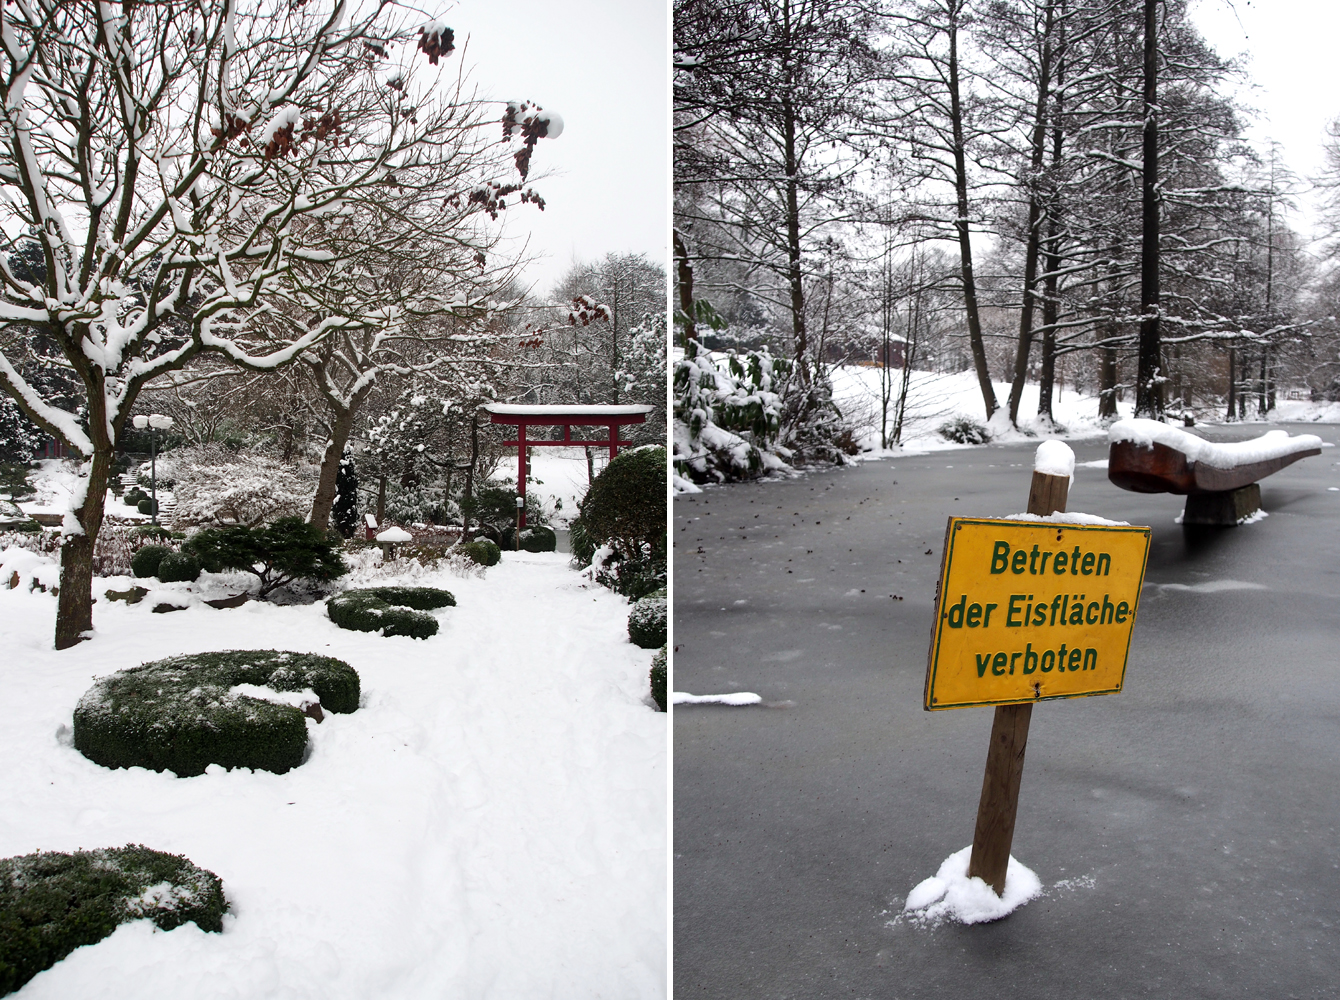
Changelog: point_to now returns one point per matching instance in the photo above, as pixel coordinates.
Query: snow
(297, 699)
(1272, 444)
(491, 822)
(557, 478)
(395, 535)
(1066, 517)
(1054, 458)
(950, 895)
(553, 123)
(737, 698)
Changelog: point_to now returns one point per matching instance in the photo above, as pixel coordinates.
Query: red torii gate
(567, 417)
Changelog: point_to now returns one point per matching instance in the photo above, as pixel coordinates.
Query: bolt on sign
(1028, 611)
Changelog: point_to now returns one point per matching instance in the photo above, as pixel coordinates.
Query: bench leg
(1224, 509)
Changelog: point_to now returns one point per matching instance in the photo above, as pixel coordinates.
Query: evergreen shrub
(658, 679)
(278, 553)
(623, 522)
(536, 538)
(146, 561)
(484, 551)
(52, 903)
(147, 506)
(389, 610)
(964, 430)
(178, 567)
(647, 622)
(178, 715)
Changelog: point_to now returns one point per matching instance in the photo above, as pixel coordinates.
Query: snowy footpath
(491, 822)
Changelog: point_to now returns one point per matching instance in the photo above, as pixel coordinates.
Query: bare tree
(187, 170)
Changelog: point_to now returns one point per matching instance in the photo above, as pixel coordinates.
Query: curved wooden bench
(1220, 481)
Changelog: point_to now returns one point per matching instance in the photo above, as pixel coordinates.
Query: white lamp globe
(141, 422)
(160, 422)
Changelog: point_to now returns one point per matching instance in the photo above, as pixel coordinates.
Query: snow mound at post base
(52, 903)
(950, 895)
(181, 715)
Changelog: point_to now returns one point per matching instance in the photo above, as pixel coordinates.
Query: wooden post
(994, 834)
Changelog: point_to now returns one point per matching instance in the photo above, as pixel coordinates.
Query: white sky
(603, 66)
(1290, 47)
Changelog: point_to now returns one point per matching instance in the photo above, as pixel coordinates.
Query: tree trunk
(381, 498)
(1148, 380)
(961, 223)
(330, 469)
(74, 603)
(1232, 382)
(470, 477)
(1034, 238)
(685, 288)
(1107, 378)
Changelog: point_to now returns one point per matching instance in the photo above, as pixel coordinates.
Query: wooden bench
(1221, 482)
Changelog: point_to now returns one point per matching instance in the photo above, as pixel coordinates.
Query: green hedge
(647, 622)
(658, 679)
(483, 551)
(389, 610)
(145, 562)
(178, 567)
(536, 538)
(177, 715)
(52, 903)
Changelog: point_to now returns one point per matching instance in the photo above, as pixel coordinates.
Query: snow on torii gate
(524, 416)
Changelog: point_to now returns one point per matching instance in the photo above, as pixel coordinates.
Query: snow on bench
(1147, 456)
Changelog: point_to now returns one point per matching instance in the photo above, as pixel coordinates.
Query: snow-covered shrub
(389, 610)
(181, 714)
(178, 567)
(279, 553)
(964, 430)
(728, 415)
(52, 903)
(534, 538)
(647, 622)
(623, 521)
(658, 679)
(483, 551)
(146, 561)
(244, 489)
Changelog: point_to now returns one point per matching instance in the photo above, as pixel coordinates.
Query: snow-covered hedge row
(728, 414)
(52, 903)
(182, 714)
(243, 489)
(389, 610)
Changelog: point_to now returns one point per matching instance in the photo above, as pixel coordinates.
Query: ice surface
(737, 698)
(1054, 458)
(950, 895)
(1272, 444)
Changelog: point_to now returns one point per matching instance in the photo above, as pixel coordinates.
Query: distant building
(868, 353)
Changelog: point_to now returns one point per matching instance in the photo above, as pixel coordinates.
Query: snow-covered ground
(491, 822)
(935, 398)
(558, 478)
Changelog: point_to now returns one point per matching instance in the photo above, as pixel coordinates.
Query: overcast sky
(602, 65)
(1290, 47)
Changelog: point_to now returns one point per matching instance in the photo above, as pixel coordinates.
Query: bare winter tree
(187, 171)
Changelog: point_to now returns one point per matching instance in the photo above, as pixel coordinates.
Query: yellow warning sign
(1031, 610)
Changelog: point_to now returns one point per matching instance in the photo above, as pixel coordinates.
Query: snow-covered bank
(491, 822)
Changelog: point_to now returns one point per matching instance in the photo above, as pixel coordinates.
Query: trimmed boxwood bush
(537, 538)
(658, 679)
(178, 567)
(177, 715)
(279, 553)
(625, 510)
(147, 506)
(647, 622)
(146, 561)
(389, 610)
(52, 903)
(483, 551)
